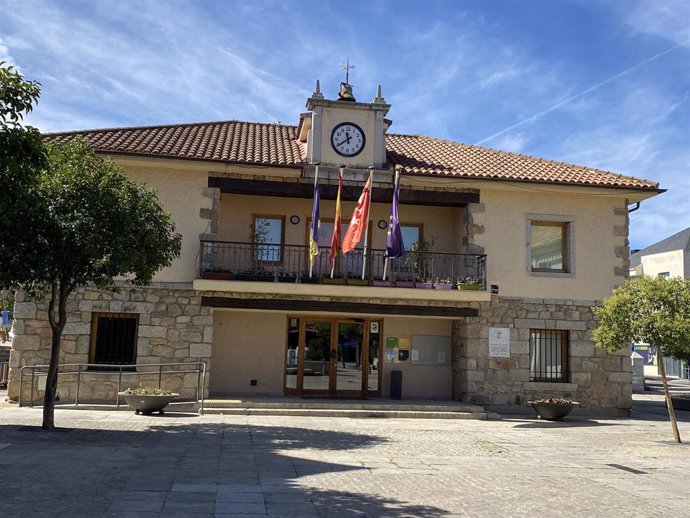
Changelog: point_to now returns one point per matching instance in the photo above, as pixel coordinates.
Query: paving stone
(195, 488)
(255, 498)
(172, 506)
(240, 508)
(111, 464)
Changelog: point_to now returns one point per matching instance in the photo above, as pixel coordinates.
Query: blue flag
(394, 240)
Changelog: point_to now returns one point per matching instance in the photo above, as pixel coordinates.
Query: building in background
(668, 258)
(492, 304)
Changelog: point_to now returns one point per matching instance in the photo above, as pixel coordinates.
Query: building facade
(667, 258)
(491, 304)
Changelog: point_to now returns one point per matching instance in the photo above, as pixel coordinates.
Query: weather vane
(346, 67)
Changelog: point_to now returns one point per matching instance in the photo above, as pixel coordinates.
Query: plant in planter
(356, 281)
(146, 400)
(445, 283)
(419, 257)
(553, 408)
(468, 283)
(425, 284)
(333, 280)
(216, 275)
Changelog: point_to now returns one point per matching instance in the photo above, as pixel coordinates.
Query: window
(268, 237)
(665, 275)
(114, 338)
(548, 355)
(412, 234)
(549, 249)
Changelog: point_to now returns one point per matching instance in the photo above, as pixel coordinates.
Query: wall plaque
(499, 342)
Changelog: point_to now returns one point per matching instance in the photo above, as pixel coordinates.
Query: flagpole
(366, 223)
(385, 263)
(336, 222)
(395, 186)
(311, 261)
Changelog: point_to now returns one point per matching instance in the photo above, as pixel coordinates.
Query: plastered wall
(237, 210)
(182, 194)
(599, 229)
(419, 381)
(671, 262)
(247, 345)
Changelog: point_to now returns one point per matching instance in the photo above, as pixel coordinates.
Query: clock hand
(347, 140)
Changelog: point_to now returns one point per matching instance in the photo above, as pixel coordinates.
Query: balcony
(228, 260)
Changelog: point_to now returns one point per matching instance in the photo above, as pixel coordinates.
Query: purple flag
(394, 240)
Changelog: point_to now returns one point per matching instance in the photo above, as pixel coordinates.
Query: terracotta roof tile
(276, 145)
(228, 141)
(416, 154)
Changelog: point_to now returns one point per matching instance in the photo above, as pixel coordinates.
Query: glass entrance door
(316, 354)
(332, 357)
(348, 373)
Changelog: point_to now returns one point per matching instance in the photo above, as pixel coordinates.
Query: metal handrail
(282, 262)
(83, 368)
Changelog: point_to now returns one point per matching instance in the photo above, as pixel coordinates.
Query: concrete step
(369, 404)
(348, 412)
(346, 408)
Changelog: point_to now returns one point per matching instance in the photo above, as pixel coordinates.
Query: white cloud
(515, 142)
(5, 55)
(666, 19)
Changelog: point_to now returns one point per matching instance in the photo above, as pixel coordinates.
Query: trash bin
(396, 384)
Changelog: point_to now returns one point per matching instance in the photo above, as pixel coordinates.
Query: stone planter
(404, 284)
(469, 287)
(382, 284)
(553, 411)
(148, 404)
(443, 286)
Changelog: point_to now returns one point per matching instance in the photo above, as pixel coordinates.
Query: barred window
(548, 355)
(114, 338)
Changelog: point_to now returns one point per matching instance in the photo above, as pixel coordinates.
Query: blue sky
(591, 82)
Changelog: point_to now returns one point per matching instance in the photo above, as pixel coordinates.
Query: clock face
(348, 139)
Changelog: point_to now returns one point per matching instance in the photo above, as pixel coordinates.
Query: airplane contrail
(580, 94)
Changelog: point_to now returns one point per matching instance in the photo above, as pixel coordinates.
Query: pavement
(113, 463)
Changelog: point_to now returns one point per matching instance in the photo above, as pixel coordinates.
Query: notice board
(430, 350)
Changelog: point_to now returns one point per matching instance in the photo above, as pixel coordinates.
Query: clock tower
(344, 131)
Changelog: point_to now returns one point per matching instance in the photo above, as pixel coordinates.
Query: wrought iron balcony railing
(290, 263)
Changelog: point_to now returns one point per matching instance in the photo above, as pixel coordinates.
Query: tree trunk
(669, 403)
(59, 294)
(51, 381)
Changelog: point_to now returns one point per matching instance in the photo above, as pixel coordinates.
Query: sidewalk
(110, 463)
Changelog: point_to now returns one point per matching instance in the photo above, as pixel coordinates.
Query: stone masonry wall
(600, 381)
(173, 327)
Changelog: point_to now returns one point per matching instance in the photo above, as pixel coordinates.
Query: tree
(648, 310)
(98, 225)
(69, 218)
(22, 156)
